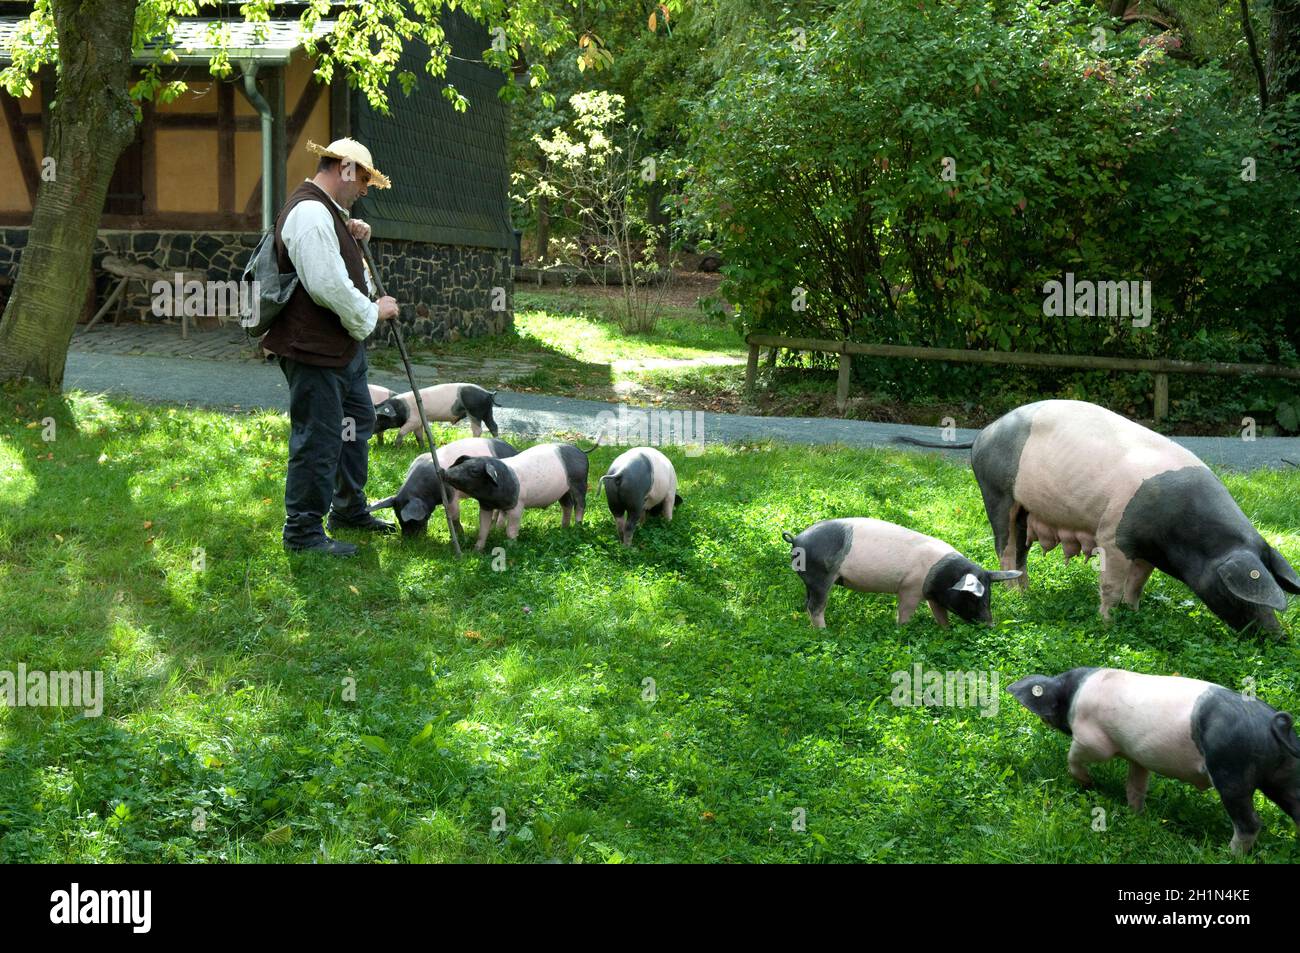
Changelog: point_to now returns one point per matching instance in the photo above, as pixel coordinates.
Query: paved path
(229, 343)
(250, 384)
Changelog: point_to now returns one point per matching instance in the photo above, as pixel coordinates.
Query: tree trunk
(1284, 50)
(91, 124)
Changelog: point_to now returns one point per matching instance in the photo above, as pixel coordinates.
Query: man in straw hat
(318, 339)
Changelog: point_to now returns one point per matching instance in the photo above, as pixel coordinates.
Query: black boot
(366, 521)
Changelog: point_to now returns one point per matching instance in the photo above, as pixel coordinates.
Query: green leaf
(280, 835)
(376, 743)
(422, 736)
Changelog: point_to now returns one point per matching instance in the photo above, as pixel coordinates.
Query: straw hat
(349, 150)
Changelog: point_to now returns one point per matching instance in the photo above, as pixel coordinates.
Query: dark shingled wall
(447, 189)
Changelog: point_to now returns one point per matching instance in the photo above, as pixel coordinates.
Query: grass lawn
(506, 715)
(574, 326)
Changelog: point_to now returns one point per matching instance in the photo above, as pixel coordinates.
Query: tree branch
(1249, 30)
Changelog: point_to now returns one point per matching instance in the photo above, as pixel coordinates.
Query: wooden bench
(125, 271)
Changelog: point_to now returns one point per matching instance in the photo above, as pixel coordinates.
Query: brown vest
(305, 331)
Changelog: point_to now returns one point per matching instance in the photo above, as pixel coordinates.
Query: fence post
(1162, 397)
(751, 369)
(842, 387)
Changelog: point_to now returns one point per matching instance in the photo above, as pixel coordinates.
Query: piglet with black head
(539, 476)
(390, 414)
(452, 403)
(1183, 728)
(420, 492)
(870, 555)
(451, 454)
(415, 501)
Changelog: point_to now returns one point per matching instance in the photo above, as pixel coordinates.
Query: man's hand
(358, 229)
(387, 307)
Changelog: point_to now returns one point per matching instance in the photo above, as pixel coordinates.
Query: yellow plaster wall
(186, 159)
(13, 187)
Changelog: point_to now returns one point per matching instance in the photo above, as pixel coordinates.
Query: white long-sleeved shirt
(313, 247)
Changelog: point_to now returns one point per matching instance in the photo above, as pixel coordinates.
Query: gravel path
(246, 385)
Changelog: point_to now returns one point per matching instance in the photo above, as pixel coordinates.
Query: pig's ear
(1282, 571)
(459, 461)
(969, 583)
(1037, 693)
(1249, 579)
(1002, 575)
(492, 474)
(415, 510)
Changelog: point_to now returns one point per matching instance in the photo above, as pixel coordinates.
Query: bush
(823, 171)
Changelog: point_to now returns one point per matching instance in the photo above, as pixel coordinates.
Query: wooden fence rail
(1161, 368)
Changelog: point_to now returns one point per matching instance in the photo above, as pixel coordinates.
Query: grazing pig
(1182, 728)
(640, 481)
(449, 402)
(870, 555)
(420, 495)
(535, 478)
(458, 450)
(1073, 473)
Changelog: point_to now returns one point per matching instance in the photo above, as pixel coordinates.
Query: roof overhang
(195, 42)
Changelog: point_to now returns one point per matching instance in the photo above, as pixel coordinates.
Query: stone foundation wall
(446, 292)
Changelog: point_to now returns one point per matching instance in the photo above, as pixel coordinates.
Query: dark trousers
(332, 420)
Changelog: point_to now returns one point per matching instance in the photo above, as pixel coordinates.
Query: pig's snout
(1267, 621)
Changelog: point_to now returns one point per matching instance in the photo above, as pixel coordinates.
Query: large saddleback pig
(1072, 473)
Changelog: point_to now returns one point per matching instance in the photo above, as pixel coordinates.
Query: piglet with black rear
(451, 403)
(640, 481)
(870, 555)
(1183, 728)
